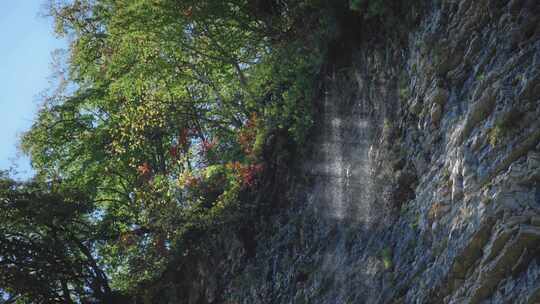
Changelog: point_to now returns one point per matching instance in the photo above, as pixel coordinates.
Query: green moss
(403, 209)
(495, 135)
(386, 255)
(414, 225)
(503, 127)
(355, 5)
(404, 92)
(480, 77)
(445, 173)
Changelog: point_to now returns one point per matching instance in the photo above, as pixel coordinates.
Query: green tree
(47, 246)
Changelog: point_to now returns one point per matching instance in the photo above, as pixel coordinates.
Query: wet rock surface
(425, 176)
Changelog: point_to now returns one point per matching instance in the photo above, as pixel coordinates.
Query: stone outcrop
(423, 185)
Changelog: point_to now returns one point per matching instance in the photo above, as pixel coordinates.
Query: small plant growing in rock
(386, 256)
(404, 94)
(480, 77)
(355, 5)
(503, 126)
(487, 200)
(445, 173)
(414, 225)
(494, 136)
(403, 209)
(404, 91)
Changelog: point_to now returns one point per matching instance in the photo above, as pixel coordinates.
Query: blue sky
(26, 43)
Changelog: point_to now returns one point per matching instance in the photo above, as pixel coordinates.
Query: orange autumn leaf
(145, 169)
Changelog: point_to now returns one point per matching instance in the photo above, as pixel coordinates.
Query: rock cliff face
(423, 185)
